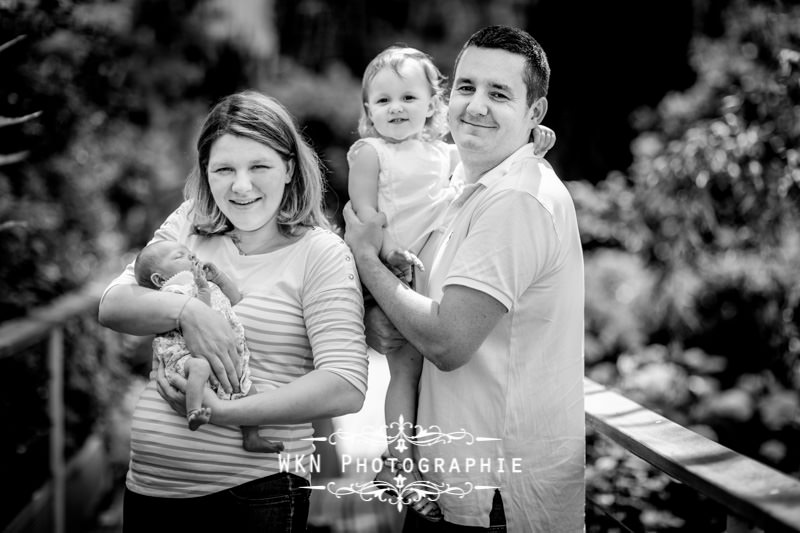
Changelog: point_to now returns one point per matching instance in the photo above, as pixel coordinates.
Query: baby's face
(175, 258)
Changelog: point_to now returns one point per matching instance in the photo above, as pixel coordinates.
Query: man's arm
(446, 333)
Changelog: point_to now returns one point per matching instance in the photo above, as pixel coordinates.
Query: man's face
(488, 115)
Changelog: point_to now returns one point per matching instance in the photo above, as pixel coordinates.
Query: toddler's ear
(432, 105)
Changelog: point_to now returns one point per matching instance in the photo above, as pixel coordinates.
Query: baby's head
(158, 262)
(402, 95)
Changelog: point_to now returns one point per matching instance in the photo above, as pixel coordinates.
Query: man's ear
(157, 279)
(538, 110)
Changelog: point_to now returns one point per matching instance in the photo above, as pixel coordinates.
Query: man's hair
(263, 119)
(145, 266)
(537, 70)
(393, 58)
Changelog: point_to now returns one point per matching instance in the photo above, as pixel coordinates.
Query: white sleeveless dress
(413, 186)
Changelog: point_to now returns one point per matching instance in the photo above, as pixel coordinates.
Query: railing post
(55, 361)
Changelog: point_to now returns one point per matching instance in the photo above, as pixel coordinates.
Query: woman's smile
(245, 202)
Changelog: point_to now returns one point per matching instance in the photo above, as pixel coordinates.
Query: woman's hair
(263, 119)
(393, 57)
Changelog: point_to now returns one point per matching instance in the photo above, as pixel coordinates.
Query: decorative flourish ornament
(402, 434)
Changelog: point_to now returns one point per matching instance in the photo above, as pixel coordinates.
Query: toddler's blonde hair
(393, 57)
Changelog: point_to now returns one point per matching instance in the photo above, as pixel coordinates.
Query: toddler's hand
(543, 140)
(402, 263)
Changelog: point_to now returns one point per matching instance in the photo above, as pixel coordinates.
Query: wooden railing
(47, 324)
(755, 495)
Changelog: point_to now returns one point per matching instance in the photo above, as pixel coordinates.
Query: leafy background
(678, 128)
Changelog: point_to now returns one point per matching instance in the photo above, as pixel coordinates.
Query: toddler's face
(399, 105)
(175, 258)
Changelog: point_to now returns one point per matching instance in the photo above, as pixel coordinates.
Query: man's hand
(363, 236)
(381, 334)
(208, 335)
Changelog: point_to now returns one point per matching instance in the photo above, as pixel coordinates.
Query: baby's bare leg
(253, 442)
(197, 373)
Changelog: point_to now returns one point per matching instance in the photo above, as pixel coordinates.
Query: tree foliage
(693, 254)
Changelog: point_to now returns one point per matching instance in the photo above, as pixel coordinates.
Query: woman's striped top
(302, 310)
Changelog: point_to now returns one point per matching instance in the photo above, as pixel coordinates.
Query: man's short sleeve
(511, 242)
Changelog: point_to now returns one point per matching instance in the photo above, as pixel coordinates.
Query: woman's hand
(208, 335)
(173, 391)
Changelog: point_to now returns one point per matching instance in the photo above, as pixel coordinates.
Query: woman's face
(247, 180)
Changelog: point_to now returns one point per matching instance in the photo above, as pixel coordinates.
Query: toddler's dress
(413, 186)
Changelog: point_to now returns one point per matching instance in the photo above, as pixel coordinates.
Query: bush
(703, 232)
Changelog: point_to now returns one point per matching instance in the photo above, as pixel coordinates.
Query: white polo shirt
(514, 236)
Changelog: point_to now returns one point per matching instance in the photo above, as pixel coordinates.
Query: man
(499, 312)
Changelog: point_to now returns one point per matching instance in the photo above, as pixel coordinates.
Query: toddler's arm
(362, 186)
(362, 181)
(223, 281)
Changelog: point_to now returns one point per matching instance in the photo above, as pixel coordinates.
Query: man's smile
(476, 123)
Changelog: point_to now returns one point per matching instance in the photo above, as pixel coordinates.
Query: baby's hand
(543, 140)
(211, 272)
(199, 275)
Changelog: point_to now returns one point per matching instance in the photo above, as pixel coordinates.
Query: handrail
(47, 323)
(753, 493)
(20, 333)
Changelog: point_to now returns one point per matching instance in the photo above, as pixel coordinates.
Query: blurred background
(677, 127)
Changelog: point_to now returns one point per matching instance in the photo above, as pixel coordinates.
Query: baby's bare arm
(203, 290)
(223, 281)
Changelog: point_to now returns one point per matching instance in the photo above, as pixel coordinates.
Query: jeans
(276, 503)
(497, 521)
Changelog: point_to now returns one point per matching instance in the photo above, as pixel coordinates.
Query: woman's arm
(318, 394)
(140, 311)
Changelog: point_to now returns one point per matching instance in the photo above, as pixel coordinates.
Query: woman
(254, 208)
